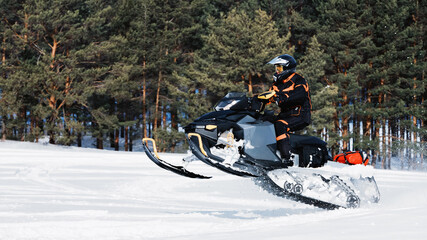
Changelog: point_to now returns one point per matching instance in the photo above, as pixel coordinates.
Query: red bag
(352, 158)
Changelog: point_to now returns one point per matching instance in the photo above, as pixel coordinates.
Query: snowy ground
(53, 192)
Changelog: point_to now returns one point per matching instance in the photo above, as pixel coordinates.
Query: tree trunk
(99, 142)
(3, 62)
(409, 148)
(130, 139)
(32, 126)
(345, 146)
(382, 142)
(144, 97)
(39, 124)
(423, 138)
(375, 130)
(126, 138)
(116, 140)
(390, 146)
(337, 129)
(122, 132)
(250, 85)
(156, 112)
(164, 123)
(174, 120)
(112, 111)
(21, 128)
(112, 139)
(3, 129)
(367, 127)
(414, 118)
(149, 125)
(402, 144)
(383, 145)
(423, 141)
(79, 139)
(52, 98)
(52, 139)
(368, 120)
(3, 57)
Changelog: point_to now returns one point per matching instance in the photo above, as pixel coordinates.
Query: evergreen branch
(32, 45)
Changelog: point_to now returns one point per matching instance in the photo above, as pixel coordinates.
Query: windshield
(235, 95)
(231, 100)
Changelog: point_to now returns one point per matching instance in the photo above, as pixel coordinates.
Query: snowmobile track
(267, 184)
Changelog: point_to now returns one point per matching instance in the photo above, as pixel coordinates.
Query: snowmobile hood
(214, 115)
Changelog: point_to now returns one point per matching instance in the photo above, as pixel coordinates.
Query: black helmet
(284, 64)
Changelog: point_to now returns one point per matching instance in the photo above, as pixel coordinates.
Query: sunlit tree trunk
(3, 118)
(130, 139)
(156, 112)
(3, 128)
(116, 140)
(144, 99)
(250, 85)
(164, 118)
(53, 89)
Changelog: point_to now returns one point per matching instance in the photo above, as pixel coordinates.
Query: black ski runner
(165, 165)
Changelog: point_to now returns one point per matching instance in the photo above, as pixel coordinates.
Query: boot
(284, 147)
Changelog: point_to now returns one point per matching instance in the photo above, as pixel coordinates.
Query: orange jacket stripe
(289, 78)
(283, 136)
(291, 88)
(283, 121)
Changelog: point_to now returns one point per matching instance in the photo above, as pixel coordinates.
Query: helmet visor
(279, 68)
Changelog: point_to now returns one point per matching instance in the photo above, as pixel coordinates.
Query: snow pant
(284, 125)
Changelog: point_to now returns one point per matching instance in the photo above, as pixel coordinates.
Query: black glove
(280, 99)
(276, 99)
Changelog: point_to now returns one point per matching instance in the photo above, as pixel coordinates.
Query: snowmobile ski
(165, 165)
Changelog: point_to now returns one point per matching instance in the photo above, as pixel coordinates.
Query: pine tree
(345, 29)
(235, 53)
(323, 94)
(403, 69)
(111, 68)
(166, 41)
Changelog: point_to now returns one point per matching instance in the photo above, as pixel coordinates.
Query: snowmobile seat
(298, 141)
(311, 150)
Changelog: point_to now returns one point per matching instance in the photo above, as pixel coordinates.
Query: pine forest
(127, 69)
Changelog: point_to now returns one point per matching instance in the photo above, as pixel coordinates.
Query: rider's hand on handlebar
(267, 95)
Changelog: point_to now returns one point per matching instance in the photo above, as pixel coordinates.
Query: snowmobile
(238, 138)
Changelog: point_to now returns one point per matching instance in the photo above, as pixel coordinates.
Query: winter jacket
(293, 97)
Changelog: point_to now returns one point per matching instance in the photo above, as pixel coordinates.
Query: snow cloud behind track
(54, 192)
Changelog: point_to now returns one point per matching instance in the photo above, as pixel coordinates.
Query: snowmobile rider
(292, 95)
